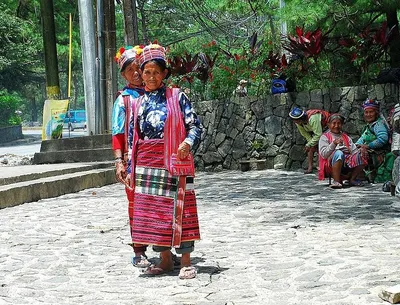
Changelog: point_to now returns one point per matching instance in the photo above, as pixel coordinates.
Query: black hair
(159, 62)
(127, 63)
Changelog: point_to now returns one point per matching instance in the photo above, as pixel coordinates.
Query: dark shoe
(140, 261)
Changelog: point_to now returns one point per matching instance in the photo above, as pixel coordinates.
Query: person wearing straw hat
(127, 60)
(164, 132)
(241, 89)
(310, 124)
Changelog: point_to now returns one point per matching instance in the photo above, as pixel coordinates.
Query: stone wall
(11, 133)
(242, 128)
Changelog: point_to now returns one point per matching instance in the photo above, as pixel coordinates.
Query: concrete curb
(28, 191)
(51, 173)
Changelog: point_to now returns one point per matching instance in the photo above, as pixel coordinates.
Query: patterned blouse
(375, 134)
(152, 114)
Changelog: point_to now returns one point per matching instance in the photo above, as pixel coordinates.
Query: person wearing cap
(241, 90)
(310, 124)
(338, 155)
(164, 128)
(374, 139)
(127, 60)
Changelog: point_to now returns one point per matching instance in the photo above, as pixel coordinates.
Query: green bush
(9, 103)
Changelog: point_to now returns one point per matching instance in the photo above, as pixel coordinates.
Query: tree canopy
(214, 44)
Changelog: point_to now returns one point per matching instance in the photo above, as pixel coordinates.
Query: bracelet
(118, 160)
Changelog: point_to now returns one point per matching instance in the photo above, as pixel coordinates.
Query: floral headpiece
(126, 55)
(150, 52)
(370, 103)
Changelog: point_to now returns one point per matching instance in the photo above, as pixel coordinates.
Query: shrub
(9, 103)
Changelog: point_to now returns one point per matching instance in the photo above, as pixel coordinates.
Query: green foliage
(19, 49)
(9, 103)
(224, 27)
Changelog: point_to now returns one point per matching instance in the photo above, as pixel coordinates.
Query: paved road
(268, 237)
(23, 148)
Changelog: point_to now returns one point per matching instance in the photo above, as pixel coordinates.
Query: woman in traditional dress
(374, 142)
(164, 131)
(127, 60)
(339, 155)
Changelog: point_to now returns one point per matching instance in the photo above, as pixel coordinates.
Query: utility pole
(88, 42)
(110, 40)
(101, 112)
(50, 50)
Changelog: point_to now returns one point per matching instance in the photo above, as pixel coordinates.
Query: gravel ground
(14, 160)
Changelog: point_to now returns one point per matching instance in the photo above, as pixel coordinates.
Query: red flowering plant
(367, 48)
(306, 44)
(204, 66)
(237, 64)
(183, 66)
(275, 64)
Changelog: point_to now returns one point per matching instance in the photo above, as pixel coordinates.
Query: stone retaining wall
(244, 128)
(11, 133)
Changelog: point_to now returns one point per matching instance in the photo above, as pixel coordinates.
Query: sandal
(155, 270)
(188, 272)
(308, 172)
(336, 185)
(140, 261)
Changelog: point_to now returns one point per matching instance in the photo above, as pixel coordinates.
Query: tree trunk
(76, 90)
(110, 48)
(33, 110)
(143, 21)
(135, 24)
(128, 21)
(50, 50)
(394, 45)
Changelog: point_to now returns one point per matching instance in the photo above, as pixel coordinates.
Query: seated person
(338, 154)
(374, 140)
(311, 124)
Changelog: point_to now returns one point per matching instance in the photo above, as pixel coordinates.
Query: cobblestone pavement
(268, 237)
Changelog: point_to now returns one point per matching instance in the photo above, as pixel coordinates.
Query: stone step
(79, 155)
(53, 186)
(33, 172)
(77, 143)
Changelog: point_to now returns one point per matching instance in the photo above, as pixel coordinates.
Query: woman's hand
(183, 150)
(127, 182)
(120, 172)
(338, 141)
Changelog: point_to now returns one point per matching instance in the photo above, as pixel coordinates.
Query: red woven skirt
(152, 204)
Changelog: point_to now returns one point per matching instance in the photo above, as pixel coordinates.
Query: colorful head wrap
(297, 113)
(369, 103)
(335, 116)
(151, 52)
(126, 55)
